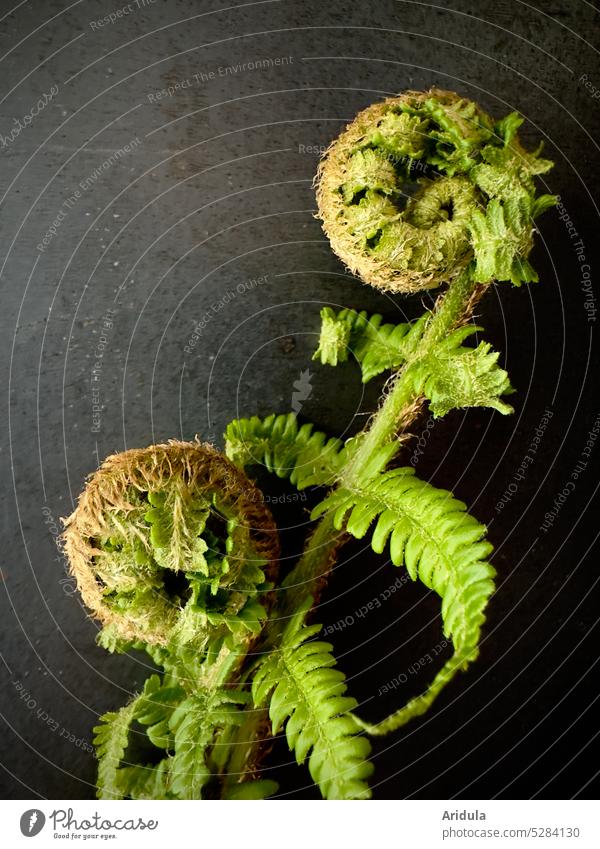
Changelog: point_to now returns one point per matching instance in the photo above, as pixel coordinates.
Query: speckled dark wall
(207, 217)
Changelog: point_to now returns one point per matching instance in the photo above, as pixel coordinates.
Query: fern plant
(175, 551)
(307, 693)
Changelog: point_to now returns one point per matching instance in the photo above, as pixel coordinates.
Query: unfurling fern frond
(308, 696)
(111, 740)
(194, 723)
(376, 346)
(174, 550)
(306, 456)
(440, 544)
(449, 375)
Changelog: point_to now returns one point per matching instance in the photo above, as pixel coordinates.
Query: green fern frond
(440, 544)
(176, 521)
(453, 376)
(111, 739)
(306, 456)
(195, 723)
(501, 239)
(308, 696)
(450, 376)
(186, 726)
(376, 346)
(146, 782)
(189, 768)
(298, 452)
(154, 708)
(260, 789)
(508, 171)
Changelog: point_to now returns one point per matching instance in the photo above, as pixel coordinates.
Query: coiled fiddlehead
(421, 184)
(171, 542)
(175, 552)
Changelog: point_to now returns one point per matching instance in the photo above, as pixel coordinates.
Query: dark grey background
(217, 193)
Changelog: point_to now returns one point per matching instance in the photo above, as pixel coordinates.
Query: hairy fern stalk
(175, 552)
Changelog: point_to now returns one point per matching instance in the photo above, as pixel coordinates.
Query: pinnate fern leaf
(308, 695)
(185, 726)
(430, 532)
(453, 376)
(450, 375)
(306, 456)
(376, 346)
(153, 708)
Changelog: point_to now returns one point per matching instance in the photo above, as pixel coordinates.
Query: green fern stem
(401, 407)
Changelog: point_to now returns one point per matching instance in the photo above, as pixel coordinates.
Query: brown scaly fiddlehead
(174, 552)
(398, 188)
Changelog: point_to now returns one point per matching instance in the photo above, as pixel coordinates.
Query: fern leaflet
(501, 239)
(306, 456)
(440, 544)
(376, 346)
(154, 708)
(307, 695)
